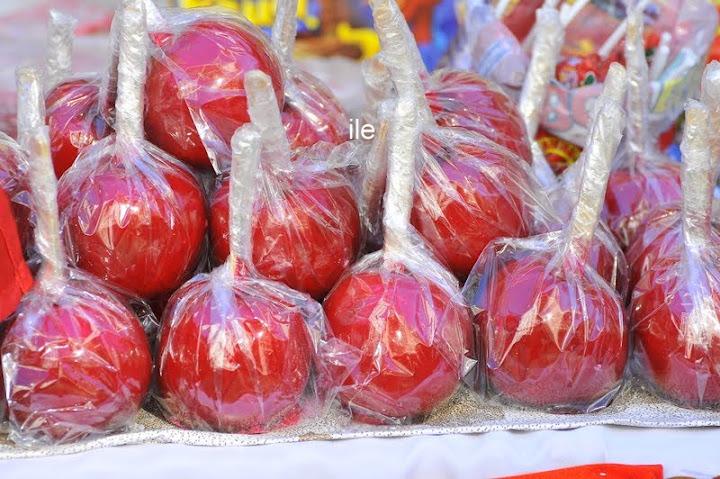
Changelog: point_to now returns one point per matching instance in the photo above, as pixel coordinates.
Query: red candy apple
(478, 195)
(197, 78)
(677, 350)
(305, 237)
(306, 221)
(76, 360)
(79, 365)
(246, 339)
(553, 331)
(136, 219)
(634, 191)
(642, 178)
(542, 348)
(676, 304)
(250, 355)
(406, 337)
(467, 100)
(312, 113)
(74, 119)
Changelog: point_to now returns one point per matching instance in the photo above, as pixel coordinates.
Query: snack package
(69, 331)
(131, 213)
(485, 45)
(399, 333)
(675, 304)
(642, 178)
(306, 227)
(469, 190)
(72, 104)
(254, 372)
(593, 42)
(552, 331)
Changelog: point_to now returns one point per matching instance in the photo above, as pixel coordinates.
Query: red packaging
(132, 214)
(552, 331)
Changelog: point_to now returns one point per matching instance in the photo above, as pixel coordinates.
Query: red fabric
(600, 471)
(15, 277)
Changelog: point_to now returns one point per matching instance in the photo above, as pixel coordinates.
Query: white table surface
(693, 453)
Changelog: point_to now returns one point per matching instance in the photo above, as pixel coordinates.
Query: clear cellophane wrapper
(456, 98)
(551, 328)
(692, 24)
(131, 213)
(674, 308)
(237, 351)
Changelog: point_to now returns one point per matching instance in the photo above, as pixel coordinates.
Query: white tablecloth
(693, 453)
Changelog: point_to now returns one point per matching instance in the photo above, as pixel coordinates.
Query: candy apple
(405, 339)
(74, 120)
(634, 191)
(467, 100)
(542, 348)
(305, 235)
(76, 366)
(250, 354)
(138, 221)
(13, 181)
(198, 77)
(477, 197)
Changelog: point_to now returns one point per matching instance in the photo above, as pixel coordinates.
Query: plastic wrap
(132, 214)
(73, 112)
(399, 331)
(692, 24)
(486, 46)
(236, 351)
(195, 91)
(552, 331)
(675, 304)
(307, 228)
(456, 98)
(311, 113)
(641, 178)
(469, 190)
(76, 362)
